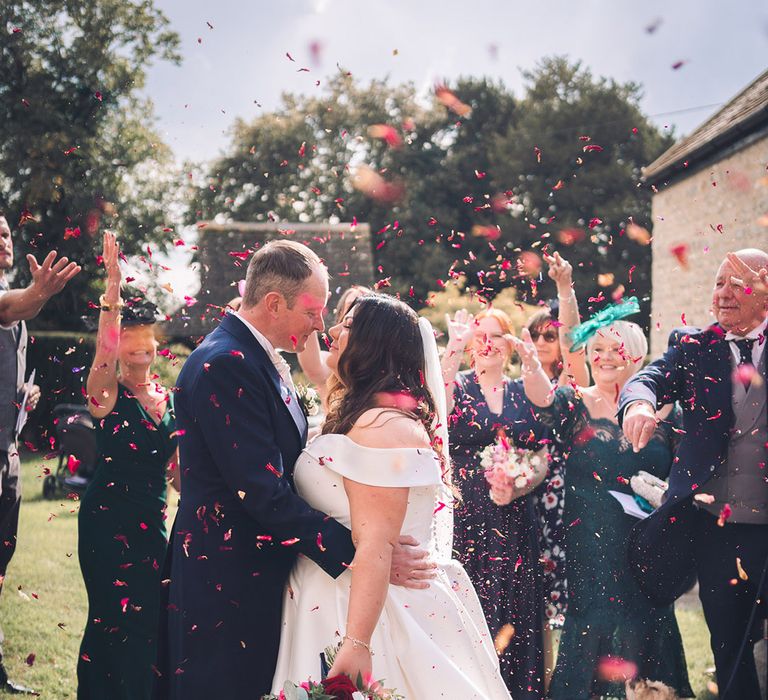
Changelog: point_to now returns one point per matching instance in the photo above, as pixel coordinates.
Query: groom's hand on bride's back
(411, 565)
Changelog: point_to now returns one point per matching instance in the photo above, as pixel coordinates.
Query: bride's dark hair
(384, 354)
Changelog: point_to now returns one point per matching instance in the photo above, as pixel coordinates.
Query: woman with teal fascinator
(608, 617)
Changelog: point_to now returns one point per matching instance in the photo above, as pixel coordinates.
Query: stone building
(225, 249)
(710, 197)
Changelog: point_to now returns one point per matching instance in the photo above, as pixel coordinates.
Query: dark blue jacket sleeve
(659, 383)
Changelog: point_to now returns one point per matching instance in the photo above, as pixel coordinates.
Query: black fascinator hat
(137, 311)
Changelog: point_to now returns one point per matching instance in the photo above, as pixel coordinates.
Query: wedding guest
(497, 544)
(608, 616)
(550, 331)
(714, 522)
(17, 306)
(314, 361)
(121, 524)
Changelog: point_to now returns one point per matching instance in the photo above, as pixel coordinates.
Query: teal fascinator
(605, 317)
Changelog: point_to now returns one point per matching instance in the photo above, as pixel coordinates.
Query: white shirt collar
(754, 333)
(274, 355)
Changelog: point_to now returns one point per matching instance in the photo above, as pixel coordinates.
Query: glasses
(549, 336)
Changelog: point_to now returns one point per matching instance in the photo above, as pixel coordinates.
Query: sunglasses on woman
(549, 336)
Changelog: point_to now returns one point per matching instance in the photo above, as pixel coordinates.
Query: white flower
(309, 398)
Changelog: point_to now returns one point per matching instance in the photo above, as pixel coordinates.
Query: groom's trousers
(727, 598)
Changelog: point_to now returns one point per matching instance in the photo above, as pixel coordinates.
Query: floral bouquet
(339, 687)
(333, 688)
(508, 468)
(309, 399)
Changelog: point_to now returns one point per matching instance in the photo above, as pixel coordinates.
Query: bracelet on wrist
(105, 306)
(357, 643)
(566, 297)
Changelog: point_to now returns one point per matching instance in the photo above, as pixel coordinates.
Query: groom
(240, 524)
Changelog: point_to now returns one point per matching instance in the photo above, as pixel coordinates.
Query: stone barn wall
(716, 209)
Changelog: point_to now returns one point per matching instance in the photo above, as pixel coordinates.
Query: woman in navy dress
(497, 544)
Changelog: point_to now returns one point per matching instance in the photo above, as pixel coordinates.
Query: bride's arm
(377, 515)
(377, 518)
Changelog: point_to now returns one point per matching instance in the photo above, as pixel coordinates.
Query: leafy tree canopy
(78, 151)
(471, 181)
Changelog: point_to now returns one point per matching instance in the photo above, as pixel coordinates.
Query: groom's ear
(274, 302)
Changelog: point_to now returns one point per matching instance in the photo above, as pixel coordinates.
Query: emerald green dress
(121, 546)
(608, 617)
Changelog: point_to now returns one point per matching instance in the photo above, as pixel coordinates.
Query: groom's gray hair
(280, 266)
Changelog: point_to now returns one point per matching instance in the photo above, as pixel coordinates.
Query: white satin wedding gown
(431, 643)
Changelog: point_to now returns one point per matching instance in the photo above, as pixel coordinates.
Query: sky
(689, 55)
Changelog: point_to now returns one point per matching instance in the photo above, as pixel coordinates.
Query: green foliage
(169, 362)
(456, 296)
(79, 151)
(592, 141)
(474, 195)
(61, 361)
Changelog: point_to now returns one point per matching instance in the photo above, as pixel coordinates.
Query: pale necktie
(284, 370)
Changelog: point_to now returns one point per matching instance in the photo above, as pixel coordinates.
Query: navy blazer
(696, 371)
(240, 524)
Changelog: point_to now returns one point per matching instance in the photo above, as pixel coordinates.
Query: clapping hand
(460, 329)
(746, 277)
(52, 276)
(561, 272)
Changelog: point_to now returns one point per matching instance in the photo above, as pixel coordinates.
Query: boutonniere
(309, 399)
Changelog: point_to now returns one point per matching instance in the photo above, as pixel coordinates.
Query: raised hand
(109, 254)
(561, 272)
(460, 329)
(746, 277)
(52, 276)
(526, 349)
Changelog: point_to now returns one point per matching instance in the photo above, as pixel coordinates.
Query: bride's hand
(352, 660)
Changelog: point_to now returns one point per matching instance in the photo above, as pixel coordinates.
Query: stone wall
(714, 210)
(223, 255)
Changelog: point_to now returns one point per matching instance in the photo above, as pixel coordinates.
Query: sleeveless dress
(499, 545)
(430, 643)
(608, 616)
(121, 547)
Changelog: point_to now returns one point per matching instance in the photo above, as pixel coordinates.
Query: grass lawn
(43, 605)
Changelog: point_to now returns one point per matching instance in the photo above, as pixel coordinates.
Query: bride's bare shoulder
(388, 428)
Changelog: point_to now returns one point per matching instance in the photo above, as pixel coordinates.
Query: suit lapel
(717, 365)
(237, 328)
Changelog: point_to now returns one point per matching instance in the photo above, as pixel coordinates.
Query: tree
(305, 161)
(572, 161)
(78, 151)
(471, 183)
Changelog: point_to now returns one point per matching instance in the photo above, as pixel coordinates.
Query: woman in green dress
(121, 524)
(611, 631)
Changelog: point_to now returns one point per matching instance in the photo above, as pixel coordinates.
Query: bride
(374, 470)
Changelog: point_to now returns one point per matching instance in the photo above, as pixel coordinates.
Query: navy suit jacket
(696, 371)
(240, 524)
